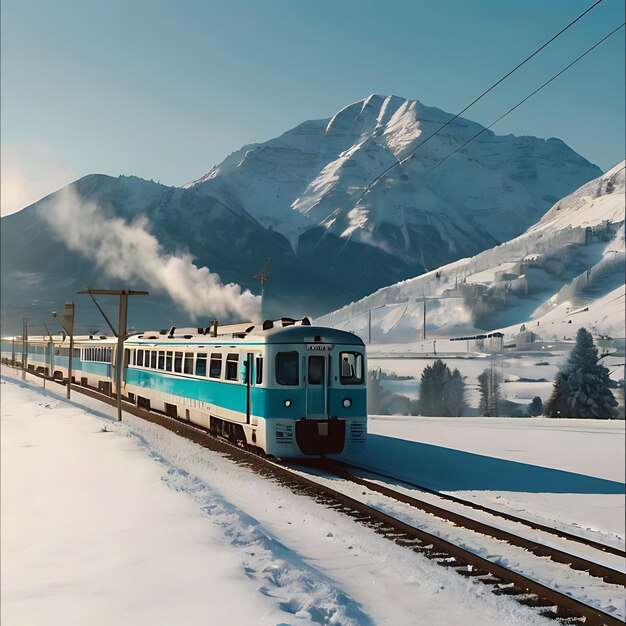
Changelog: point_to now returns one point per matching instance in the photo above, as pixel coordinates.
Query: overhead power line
(529, 96)
(473, 102)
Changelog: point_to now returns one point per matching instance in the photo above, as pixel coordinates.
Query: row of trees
(582, 388)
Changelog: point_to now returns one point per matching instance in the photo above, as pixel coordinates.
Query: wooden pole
(119, 355)
(24, 347)
(69, 316)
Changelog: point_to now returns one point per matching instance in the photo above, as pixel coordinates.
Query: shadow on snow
(446, 469)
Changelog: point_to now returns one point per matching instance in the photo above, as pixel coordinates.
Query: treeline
(582, 388)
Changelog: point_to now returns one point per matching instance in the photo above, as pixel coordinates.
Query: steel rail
(495, 512)
(604, 572)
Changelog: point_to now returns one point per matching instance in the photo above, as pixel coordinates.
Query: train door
(316, 381)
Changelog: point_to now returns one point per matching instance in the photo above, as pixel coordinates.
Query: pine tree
(535, 408)
(489, 385)
(581, 387)
(442, 392)
(454, 398)
(432, 388)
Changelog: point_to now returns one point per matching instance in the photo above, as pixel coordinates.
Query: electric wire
(482, 95)
(529, 96)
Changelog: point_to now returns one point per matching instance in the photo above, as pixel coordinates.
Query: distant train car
(285, 388)
(92, 358)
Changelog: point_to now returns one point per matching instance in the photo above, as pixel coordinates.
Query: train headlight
(347, 403)
(287, 402)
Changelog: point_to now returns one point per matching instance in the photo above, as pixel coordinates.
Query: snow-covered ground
(126, 523)
(566, 474)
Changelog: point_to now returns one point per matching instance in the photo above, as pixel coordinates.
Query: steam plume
(128, 251)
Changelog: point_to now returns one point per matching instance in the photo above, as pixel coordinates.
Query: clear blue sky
(165, 90)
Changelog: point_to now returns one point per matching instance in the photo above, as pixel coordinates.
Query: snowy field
(125, 523)
(566, 474)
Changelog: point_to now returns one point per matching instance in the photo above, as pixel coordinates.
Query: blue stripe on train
(89, 367)
(264, 402)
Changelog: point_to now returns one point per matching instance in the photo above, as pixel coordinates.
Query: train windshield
(351, 368)
(287, 368)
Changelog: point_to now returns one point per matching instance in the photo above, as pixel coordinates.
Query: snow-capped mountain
(306, 199)
(318, 175)
(568, 268)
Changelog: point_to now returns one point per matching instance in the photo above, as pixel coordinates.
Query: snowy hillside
(305, 199)
(566, 269)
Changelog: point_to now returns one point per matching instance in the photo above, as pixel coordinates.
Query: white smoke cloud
(127, 250)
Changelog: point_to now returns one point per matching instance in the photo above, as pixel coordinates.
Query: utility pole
(67, 321)
(24, 347)
(121, 334)
(369, 326)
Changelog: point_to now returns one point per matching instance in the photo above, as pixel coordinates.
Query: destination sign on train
(320, 347)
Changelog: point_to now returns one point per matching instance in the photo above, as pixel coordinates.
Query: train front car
(314, 402)
(285, 388)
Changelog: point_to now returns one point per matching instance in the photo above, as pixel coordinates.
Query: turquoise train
(284, 388)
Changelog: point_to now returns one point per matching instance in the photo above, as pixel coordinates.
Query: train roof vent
(267, 324)
(163, 331)
(306, 321)
(187, 336)
(103, 336)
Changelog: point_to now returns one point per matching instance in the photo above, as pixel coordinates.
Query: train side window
(168, 361)
(232, 365)
(161, 361)
(351, 368)
(140, 358)
(201, 364)
(178, 362)
(259, 370)
(287, 368)
(215, 367)
(188, 364)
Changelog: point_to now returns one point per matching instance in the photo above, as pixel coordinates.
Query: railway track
(549, 602)
(492, 512)
(607, 574)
